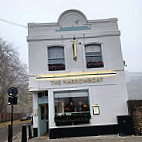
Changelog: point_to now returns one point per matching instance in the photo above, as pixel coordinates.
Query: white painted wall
(110, 94)
(104, 31)
(35, 110)
(111, 53)
(111, 98)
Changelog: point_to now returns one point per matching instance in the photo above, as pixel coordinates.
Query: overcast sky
(128, 12)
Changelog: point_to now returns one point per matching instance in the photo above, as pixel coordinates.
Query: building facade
(76, 76)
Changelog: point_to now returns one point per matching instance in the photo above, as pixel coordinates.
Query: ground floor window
(71, 107)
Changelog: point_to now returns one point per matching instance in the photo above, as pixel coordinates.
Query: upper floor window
(56, 59)
(93, 56)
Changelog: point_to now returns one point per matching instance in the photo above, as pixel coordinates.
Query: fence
(4, 117)
(135, 110)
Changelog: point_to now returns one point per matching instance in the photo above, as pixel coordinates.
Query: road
(17, 128)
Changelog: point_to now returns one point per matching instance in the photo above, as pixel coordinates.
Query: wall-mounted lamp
(75, 75)
(74, 49)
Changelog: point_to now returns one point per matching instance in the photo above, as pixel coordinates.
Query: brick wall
(4, 117)
(135, 110)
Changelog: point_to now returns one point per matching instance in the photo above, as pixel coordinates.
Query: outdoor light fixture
(74, 49)
(75, 75)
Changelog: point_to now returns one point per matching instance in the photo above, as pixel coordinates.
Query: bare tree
(12, 74)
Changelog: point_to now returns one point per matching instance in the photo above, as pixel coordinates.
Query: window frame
(72, 118)
(99, 64)
(63, 66)
(71, 92)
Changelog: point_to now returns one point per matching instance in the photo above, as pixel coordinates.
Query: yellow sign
(76, 81)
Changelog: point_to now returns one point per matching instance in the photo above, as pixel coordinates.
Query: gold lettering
(69, 82)
(80, 81)
(59, 82)
(55, 82)
(90, 80)
(76, 81)
(85, 80)
(93, 80)
(64, 82)
(101, 79)
(72, 81)
(51, 82)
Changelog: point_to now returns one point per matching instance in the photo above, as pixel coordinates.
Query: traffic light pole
(12, 92)
(11, 122)
(10, 127)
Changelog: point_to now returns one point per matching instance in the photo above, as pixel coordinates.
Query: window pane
(93, 54)
(71, 104)
(96, 48)
(51, 52)
(55, 52)
(88, 49)
(93, 59)
(56, 61)
(93, 48)
(60, 52)
(66, 94)
(71, 101)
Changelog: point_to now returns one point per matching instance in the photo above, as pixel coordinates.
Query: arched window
(93, 56)
(56, 59)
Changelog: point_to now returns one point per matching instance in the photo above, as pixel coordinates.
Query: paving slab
(109, 138)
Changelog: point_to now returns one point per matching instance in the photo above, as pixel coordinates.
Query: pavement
(17, 128)
(103, 138)
(108, 138)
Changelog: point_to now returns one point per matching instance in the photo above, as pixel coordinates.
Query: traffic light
(12, 101)
(12, 92)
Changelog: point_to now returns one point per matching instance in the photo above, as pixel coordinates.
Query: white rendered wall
(111, 54)
(110, 94)
(35, 110)
(111, 98)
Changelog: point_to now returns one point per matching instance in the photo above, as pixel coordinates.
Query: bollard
(24, 133)
(30, 131)
(9, 134)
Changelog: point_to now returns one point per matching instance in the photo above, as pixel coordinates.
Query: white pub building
(76, 76)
